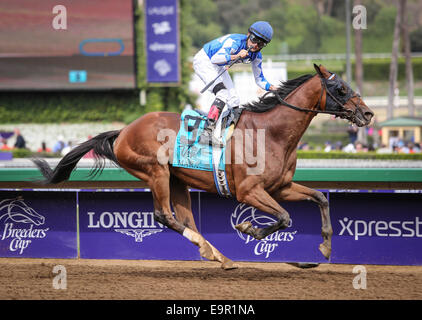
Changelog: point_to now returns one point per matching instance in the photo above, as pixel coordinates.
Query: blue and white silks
(220, 49)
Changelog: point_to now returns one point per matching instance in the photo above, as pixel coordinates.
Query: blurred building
(407, 129)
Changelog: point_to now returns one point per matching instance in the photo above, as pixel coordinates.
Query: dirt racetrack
(196, 280)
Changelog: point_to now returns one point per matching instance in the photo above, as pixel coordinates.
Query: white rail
(332, 56)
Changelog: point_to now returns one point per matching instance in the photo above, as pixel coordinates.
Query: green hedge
(319, 139)
(293, 73)
(374, 69)
(301, 154)
(379, 69)
(72, 107)
(26, 153)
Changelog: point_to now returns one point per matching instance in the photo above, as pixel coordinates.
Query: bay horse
(284, 115)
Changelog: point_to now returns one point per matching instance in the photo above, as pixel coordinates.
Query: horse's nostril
(369, 115)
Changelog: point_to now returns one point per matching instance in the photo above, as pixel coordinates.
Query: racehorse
(284, 115)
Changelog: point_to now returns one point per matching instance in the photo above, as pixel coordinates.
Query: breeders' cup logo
(267, 245)
(138, 225)
(15, 212)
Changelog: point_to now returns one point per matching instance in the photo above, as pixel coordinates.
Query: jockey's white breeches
(207, 71)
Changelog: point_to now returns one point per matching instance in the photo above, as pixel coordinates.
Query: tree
(324, 7)
(301, 29)
(358, 55)
(204, 23)
(362, 137)
(393, 64)
(416, 40)
(408, 58)
(401, 28)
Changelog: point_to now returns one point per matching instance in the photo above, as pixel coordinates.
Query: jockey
(217, 54)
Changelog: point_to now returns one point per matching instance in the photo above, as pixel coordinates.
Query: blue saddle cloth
(188, 152)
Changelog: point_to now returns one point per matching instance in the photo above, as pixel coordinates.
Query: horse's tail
(102, 146)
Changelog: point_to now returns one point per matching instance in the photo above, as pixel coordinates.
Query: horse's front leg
(258, 198)
(297, 192)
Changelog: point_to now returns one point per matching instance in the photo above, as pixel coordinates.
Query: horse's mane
(268, 101)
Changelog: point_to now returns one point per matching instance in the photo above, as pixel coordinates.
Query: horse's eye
(342, 91)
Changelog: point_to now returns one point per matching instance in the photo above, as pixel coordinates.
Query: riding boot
(212, 118)
(237, 111)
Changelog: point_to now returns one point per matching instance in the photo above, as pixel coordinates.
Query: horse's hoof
(229, 265)
(244, 226)
(206, 252)
(326, 252)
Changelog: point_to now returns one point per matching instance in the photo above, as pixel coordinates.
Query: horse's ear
(318, 70)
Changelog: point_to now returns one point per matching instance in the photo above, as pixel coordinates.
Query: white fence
(333, 56)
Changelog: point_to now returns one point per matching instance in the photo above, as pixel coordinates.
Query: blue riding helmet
(262, 29)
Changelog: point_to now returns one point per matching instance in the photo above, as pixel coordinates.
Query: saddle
(190, 152)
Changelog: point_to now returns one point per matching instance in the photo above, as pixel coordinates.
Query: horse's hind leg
(160, 187)
(297, 192)
(181, 201)
(158, 180)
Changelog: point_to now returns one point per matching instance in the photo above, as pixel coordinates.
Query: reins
(319, 108)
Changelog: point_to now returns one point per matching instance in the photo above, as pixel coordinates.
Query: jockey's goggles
(259, 41)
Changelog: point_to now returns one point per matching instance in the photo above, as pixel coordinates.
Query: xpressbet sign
(380, 228)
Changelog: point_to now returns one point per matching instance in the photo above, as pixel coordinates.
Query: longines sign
(122, 226)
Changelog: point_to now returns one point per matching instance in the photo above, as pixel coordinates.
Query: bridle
(345, 113)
